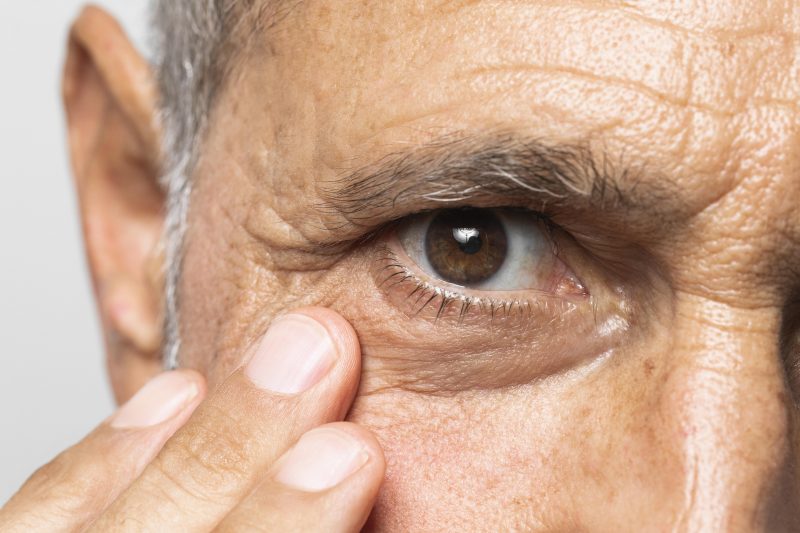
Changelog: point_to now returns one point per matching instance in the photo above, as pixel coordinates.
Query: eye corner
(571, 286)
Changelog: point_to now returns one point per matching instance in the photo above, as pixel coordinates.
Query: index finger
(304, 373)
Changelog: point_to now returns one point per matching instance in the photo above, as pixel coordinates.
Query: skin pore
(680, 411)
(630, 364)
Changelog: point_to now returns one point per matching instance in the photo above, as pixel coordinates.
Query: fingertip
(195, 377)
(366, 438)
(169, 395)
(332, 455)
(328, 481)
(341, 332)
(198, 381)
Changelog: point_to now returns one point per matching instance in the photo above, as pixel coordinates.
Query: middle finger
(304, 373)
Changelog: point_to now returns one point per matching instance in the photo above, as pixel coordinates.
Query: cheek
(562, 455)
(473, 462)
(449, 461)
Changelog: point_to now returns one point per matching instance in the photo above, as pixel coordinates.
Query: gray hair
(194, 41)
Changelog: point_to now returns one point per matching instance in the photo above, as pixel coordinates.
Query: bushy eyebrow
(479, 170)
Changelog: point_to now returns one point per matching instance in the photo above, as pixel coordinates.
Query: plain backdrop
(53, 388)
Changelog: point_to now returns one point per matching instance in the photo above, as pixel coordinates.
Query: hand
(262, 453)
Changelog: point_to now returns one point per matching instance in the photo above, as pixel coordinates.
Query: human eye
(468, 262)
(492, 250)
(503, 295)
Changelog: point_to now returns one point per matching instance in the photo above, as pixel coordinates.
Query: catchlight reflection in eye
(486, 249)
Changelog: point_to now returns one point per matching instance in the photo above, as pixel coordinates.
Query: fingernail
(295, 354)
(160, 399)
(322, 459)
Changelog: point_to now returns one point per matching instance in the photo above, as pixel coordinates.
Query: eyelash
(394, 275)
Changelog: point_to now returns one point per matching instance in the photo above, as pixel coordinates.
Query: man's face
(614, 347)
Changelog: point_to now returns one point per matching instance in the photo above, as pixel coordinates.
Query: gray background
(53, 388)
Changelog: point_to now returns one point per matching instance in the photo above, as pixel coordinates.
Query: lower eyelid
(418, 297)
(493, 343)
(466, 343)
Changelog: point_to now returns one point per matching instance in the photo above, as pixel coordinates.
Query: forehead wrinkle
(697, 91)
(640, 88)
(734, 18)
(336, 150)
(686, 71)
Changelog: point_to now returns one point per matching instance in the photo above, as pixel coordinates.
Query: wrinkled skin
(652, 385)
(688, 421)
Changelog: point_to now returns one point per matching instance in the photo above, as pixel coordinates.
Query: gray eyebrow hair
(524, 171)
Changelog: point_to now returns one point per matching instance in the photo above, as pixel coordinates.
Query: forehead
(693, 79)
(704, 92)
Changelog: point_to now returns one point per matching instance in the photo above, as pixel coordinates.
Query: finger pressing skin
(72, 490)
(303, 373)
(327, 482)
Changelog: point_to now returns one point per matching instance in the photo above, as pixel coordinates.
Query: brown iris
(466, 246)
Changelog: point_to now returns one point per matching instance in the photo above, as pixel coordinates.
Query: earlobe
(110, 102)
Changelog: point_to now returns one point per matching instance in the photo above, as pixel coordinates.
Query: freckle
(649, 366)
(730, 49)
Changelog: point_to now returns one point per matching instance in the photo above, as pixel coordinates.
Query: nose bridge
(726, 397)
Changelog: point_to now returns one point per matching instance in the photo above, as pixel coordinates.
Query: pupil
(466, 246)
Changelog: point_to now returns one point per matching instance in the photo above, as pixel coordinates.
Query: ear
(110, 100)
